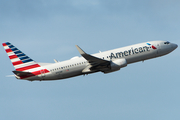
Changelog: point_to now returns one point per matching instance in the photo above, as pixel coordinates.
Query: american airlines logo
(153, 47)
(132, 51)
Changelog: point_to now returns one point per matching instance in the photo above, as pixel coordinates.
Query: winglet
(80, 50)
(90, 58)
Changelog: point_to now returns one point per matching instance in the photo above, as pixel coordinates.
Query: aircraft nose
(174, 46)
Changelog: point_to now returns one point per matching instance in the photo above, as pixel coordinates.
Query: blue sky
(47, 30)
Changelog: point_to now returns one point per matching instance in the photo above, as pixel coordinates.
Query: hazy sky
(47, 30)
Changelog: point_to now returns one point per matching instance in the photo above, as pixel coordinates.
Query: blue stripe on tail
(25, 61)
(23, 58)
(14, 49)
(20, 54)
(11, 46)
(17, 52)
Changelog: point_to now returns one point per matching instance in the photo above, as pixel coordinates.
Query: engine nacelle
(116, 65)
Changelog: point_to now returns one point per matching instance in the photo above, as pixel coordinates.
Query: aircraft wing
(97, 64)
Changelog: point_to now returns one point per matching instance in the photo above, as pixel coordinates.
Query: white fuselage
(133, 53)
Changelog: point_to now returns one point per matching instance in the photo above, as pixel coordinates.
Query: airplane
(106, 62)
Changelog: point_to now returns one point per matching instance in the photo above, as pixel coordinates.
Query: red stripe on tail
(13, 56)
(28, 67)
(17, 63)
(4, 44)
(8, 50)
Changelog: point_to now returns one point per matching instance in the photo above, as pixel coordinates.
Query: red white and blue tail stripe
(22, 62)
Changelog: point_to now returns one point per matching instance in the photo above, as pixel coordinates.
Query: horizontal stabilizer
(20, 73)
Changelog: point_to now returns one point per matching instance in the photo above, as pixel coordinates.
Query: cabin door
(158, 48)
(42, 74)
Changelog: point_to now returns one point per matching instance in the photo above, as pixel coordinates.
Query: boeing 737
(106, 62)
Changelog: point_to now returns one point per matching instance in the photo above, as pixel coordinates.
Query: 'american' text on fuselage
(129, 52)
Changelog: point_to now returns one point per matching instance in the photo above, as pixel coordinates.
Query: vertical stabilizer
(21, 61)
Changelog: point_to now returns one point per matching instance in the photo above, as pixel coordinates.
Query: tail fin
(20, 61)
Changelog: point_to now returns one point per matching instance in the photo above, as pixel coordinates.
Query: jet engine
(116, 65)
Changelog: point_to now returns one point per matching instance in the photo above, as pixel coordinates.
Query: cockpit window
(166, 42)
